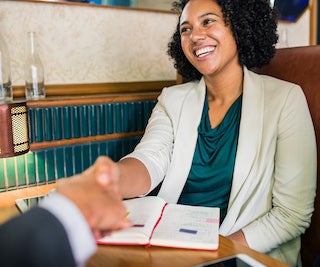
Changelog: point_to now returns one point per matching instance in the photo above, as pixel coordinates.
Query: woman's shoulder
(277, 91)
(270, 83)
(179, 91)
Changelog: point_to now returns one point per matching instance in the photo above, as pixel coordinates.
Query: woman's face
(206, 41)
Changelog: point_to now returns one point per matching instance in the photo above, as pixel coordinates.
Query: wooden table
(139, 256)
(134, 256)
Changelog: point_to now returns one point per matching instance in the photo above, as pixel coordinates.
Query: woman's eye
(184, 29)
(207, 21)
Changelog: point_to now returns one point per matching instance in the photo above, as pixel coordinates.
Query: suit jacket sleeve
(35, 238)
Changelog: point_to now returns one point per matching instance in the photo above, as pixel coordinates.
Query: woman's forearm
(134, 178)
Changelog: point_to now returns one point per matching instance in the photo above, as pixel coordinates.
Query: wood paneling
(98, 88)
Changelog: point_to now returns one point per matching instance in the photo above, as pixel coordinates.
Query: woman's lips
(204, 51)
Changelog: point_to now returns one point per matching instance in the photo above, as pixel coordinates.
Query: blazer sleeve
(35, 238)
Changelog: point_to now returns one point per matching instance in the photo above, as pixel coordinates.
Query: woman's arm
(134, 178)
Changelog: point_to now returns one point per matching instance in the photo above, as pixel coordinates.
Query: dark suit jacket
(35, 239)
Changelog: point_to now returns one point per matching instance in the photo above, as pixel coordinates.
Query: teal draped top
(210, 178)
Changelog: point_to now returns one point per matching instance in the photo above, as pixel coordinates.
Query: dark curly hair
(254, 27)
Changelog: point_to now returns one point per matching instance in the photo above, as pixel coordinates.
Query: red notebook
(157, 223)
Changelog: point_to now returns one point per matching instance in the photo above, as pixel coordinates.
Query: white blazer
(274, 178)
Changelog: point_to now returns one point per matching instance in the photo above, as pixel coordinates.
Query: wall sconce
(14, 137)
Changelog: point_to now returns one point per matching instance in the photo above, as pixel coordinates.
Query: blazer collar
(250, 133)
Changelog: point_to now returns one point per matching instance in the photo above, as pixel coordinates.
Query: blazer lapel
(185, 141)
(250, 133)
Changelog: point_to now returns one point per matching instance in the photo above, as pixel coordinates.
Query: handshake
(96, 193)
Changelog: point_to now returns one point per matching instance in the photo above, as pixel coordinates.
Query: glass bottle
(5, 73)
(34, 73)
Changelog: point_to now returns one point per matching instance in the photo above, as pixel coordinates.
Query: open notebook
(157, 223)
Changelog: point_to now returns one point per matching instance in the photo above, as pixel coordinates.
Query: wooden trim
(98, 88)
(74, 141)
(61, 2)
(313, 22)
(8, 198)
(91, 99)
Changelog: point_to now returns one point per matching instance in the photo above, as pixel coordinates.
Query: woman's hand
(239, 238)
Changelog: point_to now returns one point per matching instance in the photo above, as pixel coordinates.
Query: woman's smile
(204, 51)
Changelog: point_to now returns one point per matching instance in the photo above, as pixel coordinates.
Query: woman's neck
(225, 86)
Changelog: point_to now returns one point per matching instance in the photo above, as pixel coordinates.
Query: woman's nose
(197, 34)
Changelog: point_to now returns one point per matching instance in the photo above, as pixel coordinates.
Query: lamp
(14, 137)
